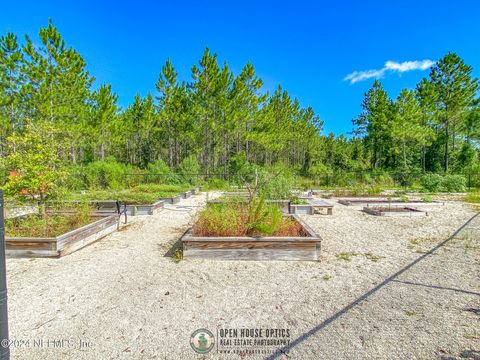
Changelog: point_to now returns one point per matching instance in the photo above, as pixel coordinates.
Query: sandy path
(129, 301)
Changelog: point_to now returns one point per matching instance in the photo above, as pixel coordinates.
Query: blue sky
(308, 47)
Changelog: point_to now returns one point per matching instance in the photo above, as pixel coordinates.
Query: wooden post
(4, 344)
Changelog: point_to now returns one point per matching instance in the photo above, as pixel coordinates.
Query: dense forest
(50, 106)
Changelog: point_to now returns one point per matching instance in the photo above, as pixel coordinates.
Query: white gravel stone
(130, 302)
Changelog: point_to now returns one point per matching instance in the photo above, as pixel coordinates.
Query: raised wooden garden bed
(405, 211)
(63, 244)
(382, 201)
(283, 205)
(236, 194)
(301, 209)
(149, 209)
(19, 210)
(313, 207)
(172, 200)
(105, 207)
(305, 247)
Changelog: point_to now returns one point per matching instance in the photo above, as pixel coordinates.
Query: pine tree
(102, 121)
(408, 132)
(11, 80)
(373, 124)
(455, 89)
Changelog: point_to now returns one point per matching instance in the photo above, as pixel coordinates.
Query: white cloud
(364, 75)
(409, 65)
(390, 66)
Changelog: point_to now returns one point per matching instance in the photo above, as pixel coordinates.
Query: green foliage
(298, 201)
(454, 183)
(160, 188)
(366, 190)
(159, 171)
(431, 182)
(189, 169)
(446, 183)
(262, 218)
(242, 219)
(105, 174)
(216, 184)
(139, 195)
(36, 168)
(473, 197)
(238, 164)
(177, 256)
(427, 198)
(276, 182)
(50, 224)
(346, 256)
(228, 122)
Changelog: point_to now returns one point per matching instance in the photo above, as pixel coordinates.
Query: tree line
(434, 127)
(47, 95)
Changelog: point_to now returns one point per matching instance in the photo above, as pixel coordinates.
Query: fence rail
(339, 178)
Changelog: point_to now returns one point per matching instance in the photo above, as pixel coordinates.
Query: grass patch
(346, 256)
(372, 257)
(473, 198)
(177, 256)
(326, 277)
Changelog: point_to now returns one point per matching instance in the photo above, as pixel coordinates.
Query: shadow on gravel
(359, 300)
(437, 287)
(467, 354)
(173, 249)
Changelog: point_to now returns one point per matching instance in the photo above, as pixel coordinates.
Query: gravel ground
(378, 293)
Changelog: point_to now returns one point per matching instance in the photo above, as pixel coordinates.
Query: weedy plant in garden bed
(138, 195)
(51, 223)
(254, 218)
(299, 201)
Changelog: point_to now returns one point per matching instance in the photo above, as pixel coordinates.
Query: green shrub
(237, 164)
(454, 183)
(3, 173)
(276, 183)
(362, 190)
(189, 169)
(216, 184)
(431, 182)
(448, 183)
(105, 174)
(160, 172)
(384, 180)
(76, 178)
(321, 173)
(427, 198)
(404, 178)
